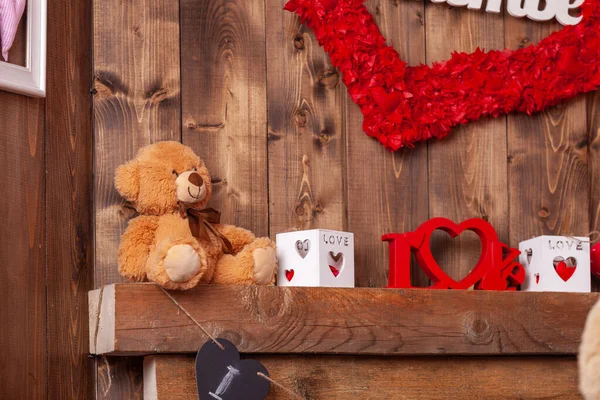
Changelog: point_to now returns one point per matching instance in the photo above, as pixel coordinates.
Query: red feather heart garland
(403, 105)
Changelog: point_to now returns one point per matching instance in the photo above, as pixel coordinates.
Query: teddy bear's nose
(196, 179)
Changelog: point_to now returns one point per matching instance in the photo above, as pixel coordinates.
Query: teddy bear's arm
(239, 237)
(135, 247)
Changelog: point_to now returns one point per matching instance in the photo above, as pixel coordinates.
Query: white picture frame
(29, 80)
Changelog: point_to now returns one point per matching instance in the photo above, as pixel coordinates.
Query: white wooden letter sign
(558, 9)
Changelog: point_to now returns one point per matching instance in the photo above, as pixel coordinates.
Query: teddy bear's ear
(127, 180)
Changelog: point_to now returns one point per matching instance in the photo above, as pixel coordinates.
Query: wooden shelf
(168, 377)
(139, 319)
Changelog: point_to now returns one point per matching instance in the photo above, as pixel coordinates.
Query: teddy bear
(589, 356)
(176, 241)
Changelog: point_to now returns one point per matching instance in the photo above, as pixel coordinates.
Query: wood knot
(158, 96)
(300, 209)
(478, 329)
(300, 118)
(544, 213)
(329, 78)
(102, 90)
(421, 18)
(299, 42)
(323, 138)
(524, 42)
(127, 211)
(273, 136)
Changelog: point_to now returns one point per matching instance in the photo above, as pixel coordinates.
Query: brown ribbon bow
(201, 223)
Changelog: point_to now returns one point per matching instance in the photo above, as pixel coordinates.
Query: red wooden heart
(564, 271)
(289, 274)
(403, 105)
(482, 229)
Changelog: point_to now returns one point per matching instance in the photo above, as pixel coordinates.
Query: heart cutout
(565, 268)
(221, 375)
(289, 274)
(529, 255)
(303, 247)
(434, 99)
(336, 263)
(447, 249)
(482, 229)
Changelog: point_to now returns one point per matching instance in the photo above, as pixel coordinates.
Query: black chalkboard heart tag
(221, 375)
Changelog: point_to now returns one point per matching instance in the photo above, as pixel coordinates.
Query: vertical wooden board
(387, 192)
(306, 128)
(593, 121)
(22, 248)
(548, 171)
(136, 102)
(69, 211)
(467, 170)
(224, 103)
(120, 378)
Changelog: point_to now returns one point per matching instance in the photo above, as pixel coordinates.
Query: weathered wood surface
(120, 378)
(593, 123)
(467, 170)
(305, 129)
(386, 192)
(224, 104)
(346, 377)
(141, 319)
(136, 102)
(22, 248)
(69, 226)
(549, 181)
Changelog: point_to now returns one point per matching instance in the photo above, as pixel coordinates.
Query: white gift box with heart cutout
(316, 257)
(556, 264)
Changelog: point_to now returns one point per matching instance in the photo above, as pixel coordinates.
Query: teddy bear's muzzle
(190, 187)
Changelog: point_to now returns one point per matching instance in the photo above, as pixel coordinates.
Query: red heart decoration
(595, 260)
(564, 271)
(482, 229)
(289, 274)
(388, 102)
(334, 270)
(403, 105)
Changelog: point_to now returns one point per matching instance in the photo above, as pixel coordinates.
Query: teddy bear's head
(162, 176)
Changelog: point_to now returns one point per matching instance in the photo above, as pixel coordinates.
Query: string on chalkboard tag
(222, 375)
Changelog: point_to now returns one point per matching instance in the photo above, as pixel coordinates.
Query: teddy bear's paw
(265, 265)
(181, 263)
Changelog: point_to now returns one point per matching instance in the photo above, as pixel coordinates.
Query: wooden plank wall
(46, 244)
(249, 89)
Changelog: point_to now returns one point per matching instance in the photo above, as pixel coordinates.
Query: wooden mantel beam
(139, 319)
